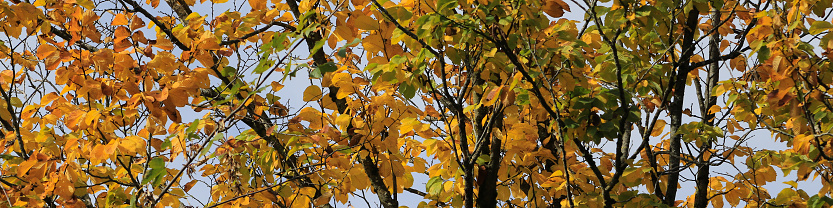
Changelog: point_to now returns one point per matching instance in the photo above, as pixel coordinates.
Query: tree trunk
(701, 198)
(676, 108)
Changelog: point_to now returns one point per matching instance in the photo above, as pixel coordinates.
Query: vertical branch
(701, 198)
(676, 108)
(378, 183)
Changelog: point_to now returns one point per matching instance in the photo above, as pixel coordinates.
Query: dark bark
(623, 140)
(488, 182)
(378, 183)
(701, 197)
(676, 108)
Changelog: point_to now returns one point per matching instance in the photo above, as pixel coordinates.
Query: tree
(499, 103)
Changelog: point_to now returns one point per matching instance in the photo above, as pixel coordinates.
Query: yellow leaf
(209, 44)
(306, 5)
(86, 4)
(344, 92)
(515, 79)
(192, 16)
(312, 115)
(365, 22)
(342, 80)
(557, 173)
(308, 191)
(801, 143)
(344, 33)
(658, 127)
(491, 53)
(39, 3)
(48, 98)
(408, 125)
(131, 144)
(343, 120)
(91, 117)
(719, 90)
(312, 93)
(493, 96)
(448, 186)
(301, 201)
(286, 16)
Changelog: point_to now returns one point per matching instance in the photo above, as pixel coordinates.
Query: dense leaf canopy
(420, 103)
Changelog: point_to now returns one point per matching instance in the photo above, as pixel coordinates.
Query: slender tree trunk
(676, 108)
(701, 198)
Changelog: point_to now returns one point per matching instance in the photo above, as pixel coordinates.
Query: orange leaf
(171, 111)
(25, 166)
(46, 50)
(120, 19)
(153, 3)
(136, 23)
(714, 109)
(178, 97)
(159, 96)
(208, 42)
(257, 4)
(276, 86)
(189, 185)
(164, 44)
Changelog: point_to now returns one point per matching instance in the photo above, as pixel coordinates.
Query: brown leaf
(555, 8)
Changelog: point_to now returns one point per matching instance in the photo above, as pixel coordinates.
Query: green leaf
(193, 127)
(827, 200)
(763, 53)
(264, 65)
(400, 13)
(278, 42)
(814, 202)
(208, 146)
(132, 201)
(819, 27)
(483, 159)
(434, 185)
(166, 144)
(445, 4)
(643, 11)
(318, 46)
(157, 163)
(407, 90)
(157, 170)
(319, 71)
(342, 51)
